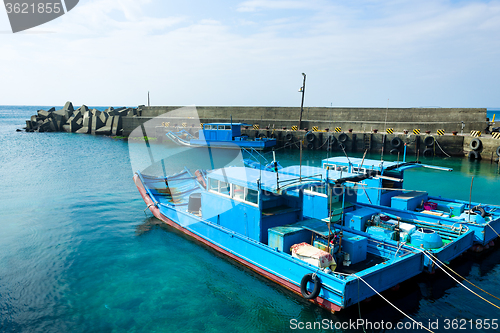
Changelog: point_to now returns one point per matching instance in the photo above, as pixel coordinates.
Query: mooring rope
(484, 299)
(395, 307)
(451, 270)
(441, 148)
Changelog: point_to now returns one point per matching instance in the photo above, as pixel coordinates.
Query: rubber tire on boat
(474, 155)
(289, 137)
(480, 210)
(498, 151)
(429, 141)
(310, 137)
(475, 144)
(310, 146)
(310, 277)
(428, 152)
(343, 137)
(394, 151)
(396, 142)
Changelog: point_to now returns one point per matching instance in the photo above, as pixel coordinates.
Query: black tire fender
(310, 277)
(310, 146)
(429, 141)
(396, 142)
(498, 151)
(480, 210)
(310, 137)
(394, 151)
(475, 144)
(289, 137)
(262, 136)
(474, 155)
(428, 152)
(343, 137)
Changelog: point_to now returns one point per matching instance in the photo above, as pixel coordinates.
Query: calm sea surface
(78, 254)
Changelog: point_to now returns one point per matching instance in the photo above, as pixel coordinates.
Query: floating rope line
(451, 270)
(484, 299)
(395, 307)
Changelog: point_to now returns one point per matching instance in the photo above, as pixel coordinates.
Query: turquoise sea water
(78, 254)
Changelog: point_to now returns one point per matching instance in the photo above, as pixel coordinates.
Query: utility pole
(302, 90)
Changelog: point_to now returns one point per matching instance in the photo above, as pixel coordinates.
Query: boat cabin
(221, 131)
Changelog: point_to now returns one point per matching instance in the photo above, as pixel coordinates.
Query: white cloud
(113, 52)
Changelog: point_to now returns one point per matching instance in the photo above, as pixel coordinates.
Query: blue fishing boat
(383, 186)
(221, 135)
(339, 200)
(256, 217)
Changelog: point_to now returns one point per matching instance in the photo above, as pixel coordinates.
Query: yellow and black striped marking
(315, 129)
(201, 125)
(166, 124)
(256, 126)
(338, 129)
(475, 134)
(440, 132)
(294, 128)
(184, 124)
(416, 131)
(496, 135)
(390, 131)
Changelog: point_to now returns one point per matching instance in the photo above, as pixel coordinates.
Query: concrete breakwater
(82, 120)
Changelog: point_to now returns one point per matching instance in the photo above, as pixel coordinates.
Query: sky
(365, 53)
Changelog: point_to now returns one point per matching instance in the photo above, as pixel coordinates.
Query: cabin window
(224, 188)
(362, 170)
(252, 196)
(239, 192)
(213, 185)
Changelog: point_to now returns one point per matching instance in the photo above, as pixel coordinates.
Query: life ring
(343, 137)
(474, 155)
(289, 137)
(262, 136)
(310, 137)
(498, 151)
(310, 146)
(396, 142)
(475, 144)
(310, 277)
(429, 141)
(394, 151)
(428, 152)
(480, 210)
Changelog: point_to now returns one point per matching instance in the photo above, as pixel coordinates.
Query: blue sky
(364, 53)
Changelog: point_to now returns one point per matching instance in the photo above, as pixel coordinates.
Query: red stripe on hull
(288, 285)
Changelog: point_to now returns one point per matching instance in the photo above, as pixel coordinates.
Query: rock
(104, 117)
(106, 129)
(42, 114)
(86, 123)
(45, 126)
(52, 109)
(116, 128)
(83, 108)
(68, 106)
(96, 123)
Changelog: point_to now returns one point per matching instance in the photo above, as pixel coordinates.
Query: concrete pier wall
(357, 119)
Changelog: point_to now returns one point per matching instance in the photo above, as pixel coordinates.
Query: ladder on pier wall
(367, 138)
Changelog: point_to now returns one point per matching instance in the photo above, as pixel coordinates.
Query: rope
(460, 283)
(451, 270)
(493, 229)
(441, 148)
(395, 307)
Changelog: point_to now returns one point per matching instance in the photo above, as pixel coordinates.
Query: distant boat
(221, 135)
